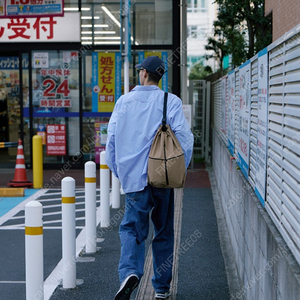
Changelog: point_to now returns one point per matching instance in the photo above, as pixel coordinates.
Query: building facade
(47, 73)
(285, 16)
(200, 17)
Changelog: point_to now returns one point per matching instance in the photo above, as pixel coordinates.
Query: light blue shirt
(131, 130)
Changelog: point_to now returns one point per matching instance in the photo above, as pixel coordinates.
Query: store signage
(44, 29)
(106, 74)
(30, 8)
(52, 90)
(13, 63)
(56, 139)
(52, 86)
(163, 83)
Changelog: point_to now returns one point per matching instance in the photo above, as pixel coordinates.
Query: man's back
(136, 117)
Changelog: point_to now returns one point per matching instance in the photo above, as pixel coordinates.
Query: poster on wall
(244, 118)
(100, 139)
(40, 60)
(163, 83)
(231, 111)
(224, 104)
(106, 80)
(56, 139)
(262, 120)
(53, 86)
(30, 8)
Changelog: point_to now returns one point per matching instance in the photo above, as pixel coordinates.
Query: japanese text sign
(54, 90)
(106, 81)
(45, 29)
(262, 129)
(31, 8)
(56, 140)
(13, 63)
(244, 118)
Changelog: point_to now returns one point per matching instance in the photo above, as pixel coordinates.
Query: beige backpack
(166, 165)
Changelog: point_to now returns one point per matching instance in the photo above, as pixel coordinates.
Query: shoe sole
(128, 288)
(160, 298)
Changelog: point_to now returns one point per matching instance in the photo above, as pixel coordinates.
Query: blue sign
(12, 63)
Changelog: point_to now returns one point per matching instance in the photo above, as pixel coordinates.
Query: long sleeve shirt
(131, 130)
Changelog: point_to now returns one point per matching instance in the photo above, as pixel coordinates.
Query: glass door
(10, 106)
(55, 104)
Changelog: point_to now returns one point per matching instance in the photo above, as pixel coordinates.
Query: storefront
(50, 81)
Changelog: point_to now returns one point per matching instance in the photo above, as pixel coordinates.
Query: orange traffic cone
(20, 179)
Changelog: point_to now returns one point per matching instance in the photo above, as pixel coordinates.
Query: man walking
(131, 129)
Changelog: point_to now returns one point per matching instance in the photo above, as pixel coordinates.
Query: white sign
(231, 110)
(224, 103)
(262, 120)
(44, 29)
(244, 118)
(187, 111)
(41, 60)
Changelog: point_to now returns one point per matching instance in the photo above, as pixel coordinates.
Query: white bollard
(104, 191)
(68, 232)
(115, 192)
(90, 207)
(34, 250)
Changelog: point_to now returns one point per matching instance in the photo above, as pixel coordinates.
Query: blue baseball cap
(153, 64)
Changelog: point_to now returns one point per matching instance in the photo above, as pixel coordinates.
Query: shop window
(55, 101)
(151, 22)
(94, 124)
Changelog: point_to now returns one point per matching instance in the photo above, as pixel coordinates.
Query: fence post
(90, 206)
(68, 232)
(34, 250)
(104, 191)
(115, 192)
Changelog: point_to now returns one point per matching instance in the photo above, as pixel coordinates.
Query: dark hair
(154, 77)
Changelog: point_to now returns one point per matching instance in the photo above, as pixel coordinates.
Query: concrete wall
(266, 267)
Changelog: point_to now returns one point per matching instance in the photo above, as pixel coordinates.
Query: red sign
(54, 89)
(56, 140)
(31, 8)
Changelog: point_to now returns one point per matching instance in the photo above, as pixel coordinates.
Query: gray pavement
(200, 271)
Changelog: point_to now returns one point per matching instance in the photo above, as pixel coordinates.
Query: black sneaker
(163, 295)
(127, 287)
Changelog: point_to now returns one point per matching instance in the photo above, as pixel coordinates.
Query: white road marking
(12, 215)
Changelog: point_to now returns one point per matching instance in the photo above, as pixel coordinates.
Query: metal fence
(278, 185)
(199, 99)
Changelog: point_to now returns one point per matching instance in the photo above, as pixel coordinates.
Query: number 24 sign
(50, 94)
(50, 86)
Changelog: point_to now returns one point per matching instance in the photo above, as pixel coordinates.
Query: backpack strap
(164, 120)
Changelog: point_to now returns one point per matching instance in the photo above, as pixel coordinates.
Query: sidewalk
(199, 269)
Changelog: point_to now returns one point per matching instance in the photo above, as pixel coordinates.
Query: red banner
(56, 140)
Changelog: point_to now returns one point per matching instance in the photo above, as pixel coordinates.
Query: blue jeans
(134, 231)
